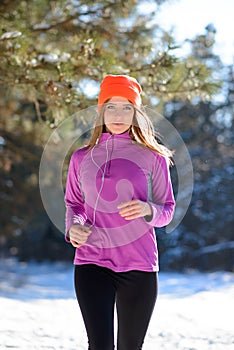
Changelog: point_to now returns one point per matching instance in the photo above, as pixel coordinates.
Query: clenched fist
(134, 209)
(79, 234)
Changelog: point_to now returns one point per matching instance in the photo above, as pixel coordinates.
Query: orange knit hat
(119, 85)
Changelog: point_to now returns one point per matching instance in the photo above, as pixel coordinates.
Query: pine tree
(53, 55)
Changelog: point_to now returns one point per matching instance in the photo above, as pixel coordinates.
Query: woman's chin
(118, 128)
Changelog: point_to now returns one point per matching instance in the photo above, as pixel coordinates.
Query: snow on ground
(38, 310)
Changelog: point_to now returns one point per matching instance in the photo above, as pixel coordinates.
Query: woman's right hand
(79, 234)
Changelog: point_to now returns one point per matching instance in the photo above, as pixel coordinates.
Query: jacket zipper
(110, 157)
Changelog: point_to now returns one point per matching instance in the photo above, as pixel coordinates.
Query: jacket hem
(120, 268)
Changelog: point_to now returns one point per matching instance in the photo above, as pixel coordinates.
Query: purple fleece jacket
(117, 170)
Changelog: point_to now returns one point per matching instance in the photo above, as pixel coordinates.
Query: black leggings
(134, 292)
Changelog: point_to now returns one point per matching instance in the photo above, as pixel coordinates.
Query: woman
(118, 189)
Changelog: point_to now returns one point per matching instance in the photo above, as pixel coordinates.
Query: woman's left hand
(134, 209)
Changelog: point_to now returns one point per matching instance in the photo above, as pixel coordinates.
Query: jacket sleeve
(75, 211)
(161, 198)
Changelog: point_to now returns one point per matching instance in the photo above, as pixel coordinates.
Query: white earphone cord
(103, 179)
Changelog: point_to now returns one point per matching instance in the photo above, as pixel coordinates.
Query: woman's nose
(118, 111)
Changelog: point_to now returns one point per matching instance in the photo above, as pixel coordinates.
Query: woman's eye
(110, 107)
(128, 109)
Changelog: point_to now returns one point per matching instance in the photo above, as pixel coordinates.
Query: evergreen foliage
(53, 55)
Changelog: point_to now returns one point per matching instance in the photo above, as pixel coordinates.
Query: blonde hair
(141, 131)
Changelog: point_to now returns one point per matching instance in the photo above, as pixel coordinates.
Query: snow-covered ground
(38, 309)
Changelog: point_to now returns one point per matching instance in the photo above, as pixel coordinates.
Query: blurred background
(53, 55)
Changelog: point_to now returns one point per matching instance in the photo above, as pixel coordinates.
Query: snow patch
(39, 310)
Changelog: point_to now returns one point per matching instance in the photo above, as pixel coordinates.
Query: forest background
(53, 55)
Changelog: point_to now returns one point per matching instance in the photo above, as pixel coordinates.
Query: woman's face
(118, 115)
